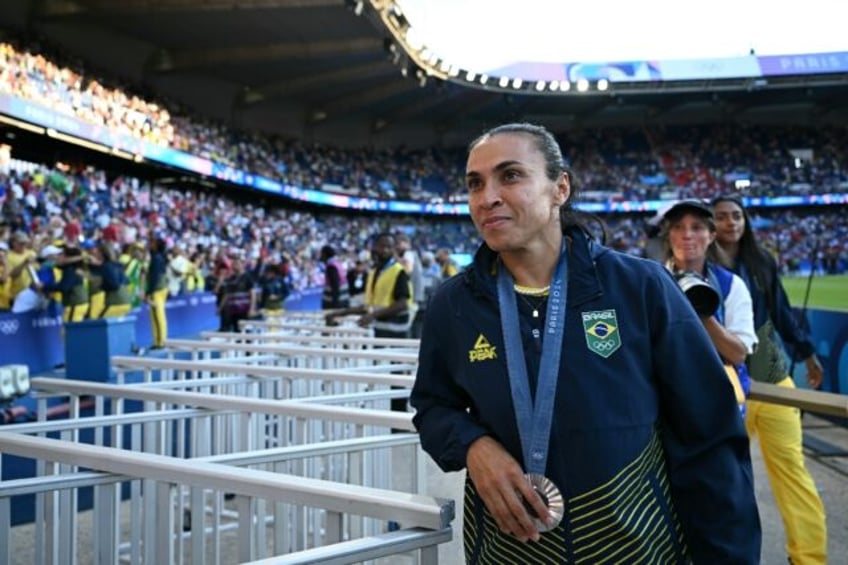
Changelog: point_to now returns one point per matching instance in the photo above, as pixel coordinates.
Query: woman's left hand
(815, 372)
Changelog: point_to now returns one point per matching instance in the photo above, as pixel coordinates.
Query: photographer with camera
(720, 298)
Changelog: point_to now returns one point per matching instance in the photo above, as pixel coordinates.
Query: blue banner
(35, 338)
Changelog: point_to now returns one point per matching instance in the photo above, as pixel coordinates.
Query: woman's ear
(563, 189)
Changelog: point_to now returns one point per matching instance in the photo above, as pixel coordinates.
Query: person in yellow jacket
(5, 279)
(113, 282)
(156, 292)
(73, 284)
(93, 256)
(20, 262)
(388, 294)
(135, 267)
(388, 299)
(194, 278)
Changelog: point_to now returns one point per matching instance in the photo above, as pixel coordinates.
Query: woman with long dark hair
(778, 427)
(576, 386)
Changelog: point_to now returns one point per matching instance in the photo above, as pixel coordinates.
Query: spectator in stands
(272, 291)
(388, 294)
(357, 275)
(335, 294)
(72, 284)
(676, 446)
(778, 427)
(411, 263)
(430, 276)
(93, 260)
(235, 296)
(156, 291)
(49, 272)
(388, 300)
(688, 229)
(448, 267)
(178, 267)
(195, 277)
(5, 279)
(21, 262)
(117, 300)
(135, 267)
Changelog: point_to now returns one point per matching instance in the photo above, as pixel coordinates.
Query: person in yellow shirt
(135, 267)
(447, 265)
(93, 257)
(5, 279)
(73, 285)
(114, 282)
(389, 306)
(194, 277)
(20, 261)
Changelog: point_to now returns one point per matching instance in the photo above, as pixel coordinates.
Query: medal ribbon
(534, 418)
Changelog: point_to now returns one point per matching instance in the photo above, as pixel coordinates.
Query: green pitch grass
(827, 292)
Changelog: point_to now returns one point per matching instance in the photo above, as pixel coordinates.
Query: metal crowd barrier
(156, 535)
(306, 424)
(303, 325)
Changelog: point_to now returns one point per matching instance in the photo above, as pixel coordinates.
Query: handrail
(47, 483)
(809, 400)
(363, 549)
(411, 509)
(296, 408)
(386, 354)
(304, 327)
(380, 341)
(350, 376)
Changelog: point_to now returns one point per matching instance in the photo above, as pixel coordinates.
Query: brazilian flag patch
(601, 330)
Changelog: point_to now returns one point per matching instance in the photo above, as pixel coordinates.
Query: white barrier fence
(294, 429)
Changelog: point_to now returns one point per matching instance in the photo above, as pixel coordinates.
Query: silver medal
(550, 495)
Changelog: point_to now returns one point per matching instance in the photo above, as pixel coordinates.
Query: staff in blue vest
(577, 387)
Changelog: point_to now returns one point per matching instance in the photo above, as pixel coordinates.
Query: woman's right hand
(502, 485)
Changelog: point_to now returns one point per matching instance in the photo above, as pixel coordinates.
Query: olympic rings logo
(605, 345)
(9, 327)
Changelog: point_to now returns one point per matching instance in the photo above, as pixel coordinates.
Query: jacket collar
(583, 281)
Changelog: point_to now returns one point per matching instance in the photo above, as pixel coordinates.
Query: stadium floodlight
(582, 85)
(564, 85)
(356, 5)
(603, 85)
(484, 78)
(470, 76)
(453, 71)
(517, 82)
(540, 85)
(503, 82)
(553, 86)
(413, 39)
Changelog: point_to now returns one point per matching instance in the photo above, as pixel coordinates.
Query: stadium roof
(313, 67)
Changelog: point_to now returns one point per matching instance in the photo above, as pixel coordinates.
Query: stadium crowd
(48, 210)
(643, 163)
(43, 210)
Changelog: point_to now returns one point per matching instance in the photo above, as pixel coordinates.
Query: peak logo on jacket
(482, 350)
(601, 330)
